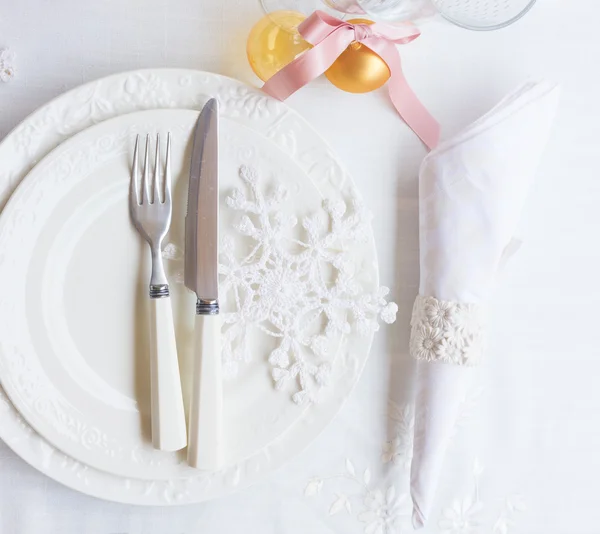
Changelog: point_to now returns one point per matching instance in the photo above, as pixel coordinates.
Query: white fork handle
(206, 410)
(168, 415)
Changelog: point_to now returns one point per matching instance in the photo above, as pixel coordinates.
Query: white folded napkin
(472, 189)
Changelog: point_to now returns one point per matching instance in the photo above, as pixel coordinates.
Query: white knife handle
(206, 410)
(168, 415)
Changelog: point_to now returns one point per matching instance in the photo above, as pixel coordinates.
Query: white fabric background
(534, 422)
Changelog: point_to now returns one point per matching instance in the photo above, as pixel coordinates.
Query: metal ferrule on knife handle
(159, 291)
(207, 307)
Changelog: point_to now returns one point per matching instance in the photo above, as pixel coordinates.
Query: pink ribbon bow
(330, 37)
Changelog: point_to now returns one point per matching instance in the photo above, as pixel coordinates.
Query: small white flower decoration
(389, 312)
(424, 342)
(461, 517)
(450, 350)
(7, 68)
(441, 313)
(381, 510)
(446, 331)
(384, 512)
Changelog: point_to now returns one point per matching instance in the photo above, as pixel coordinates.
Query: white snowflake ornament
(294, 282)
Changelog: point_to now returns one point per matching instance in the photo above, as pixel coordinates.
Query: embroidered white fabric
(446, 331)
(472, 191)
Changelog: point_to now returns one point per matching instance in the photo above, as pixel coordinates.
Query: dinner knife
(201, 277)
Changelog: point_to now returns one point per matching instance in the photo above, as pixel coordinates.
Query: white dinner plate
(72, 344)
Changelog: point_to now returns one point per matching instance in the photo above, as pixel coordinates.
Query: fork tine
(167, 197)
(156, 179)
(145, 191)
(134, 184)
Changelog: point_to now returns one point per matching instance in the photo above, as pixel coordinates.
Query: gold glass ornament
(358, 69)
(274, 42)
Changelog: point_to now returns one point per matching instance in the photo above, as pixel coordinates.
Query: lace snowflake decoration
(295, 283)
(7, 69)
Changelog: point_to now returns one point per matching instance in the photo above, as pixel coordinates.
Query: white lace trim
(446, 331)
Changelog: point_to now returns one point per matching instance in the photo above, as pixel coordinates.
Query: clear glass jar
(378, 10)
(386, 10)
(470, 14)
(483, 14)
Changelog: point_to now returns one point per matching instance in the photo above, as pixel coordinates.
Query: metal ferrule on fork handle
(159, 291)
(159, 287)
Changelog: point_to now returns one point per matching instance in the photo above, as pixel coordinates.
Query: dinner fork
(151, 210)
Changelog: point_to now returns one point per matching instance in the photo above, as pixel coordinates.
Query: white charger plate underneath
(72, 345)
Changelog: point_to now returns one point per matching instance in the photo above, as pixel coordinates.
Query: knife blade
(201, 277)
(201, 221)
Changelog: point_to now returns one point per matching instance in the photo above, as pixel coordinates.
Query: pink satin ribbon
(330, 37)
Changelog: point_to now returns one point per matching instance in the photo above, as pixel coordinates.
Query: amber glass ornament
(358, 69)
(274, 42)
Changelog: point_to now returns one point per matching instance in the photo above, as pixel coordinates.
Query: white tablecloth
(524, 458)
